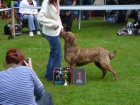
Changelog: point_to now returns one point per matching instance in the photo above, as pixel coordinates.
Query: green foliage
(94, 32)
(7, 1)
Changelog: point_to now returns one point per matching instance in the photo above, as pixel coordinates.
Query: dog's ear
(72, 40)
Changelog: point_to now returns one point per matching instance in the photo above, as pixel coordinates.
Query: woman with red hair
(19, 84)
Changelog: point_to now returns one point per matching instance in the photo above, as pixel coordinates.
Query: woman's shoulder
(14, 69)
(2, 72)
(45, 4)
(46, 1)
(22, 67)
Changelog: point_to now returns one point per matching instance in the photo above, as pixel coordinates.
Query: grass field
(94, 32)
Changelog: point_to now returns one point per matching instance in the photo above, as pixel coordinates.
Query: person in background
(30, 15)
(66, 16)
(72, 2)
(17, 4)
(121, 2)
(86, 12)
(111, 2)
(19, 83)
(37, 2)
(52, 26)
(132, 13)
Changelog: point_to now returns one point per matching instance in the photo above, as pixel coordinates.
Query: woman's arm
(74, 2)
(38, 86)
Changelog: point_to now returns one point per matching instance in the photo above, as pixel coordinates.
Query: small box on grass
(79, 76)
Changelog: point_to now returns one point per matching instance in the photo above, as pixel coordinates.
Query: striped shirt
(19, 86)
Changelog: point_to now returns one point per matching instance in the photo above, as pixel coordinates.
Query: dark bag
(8, 29)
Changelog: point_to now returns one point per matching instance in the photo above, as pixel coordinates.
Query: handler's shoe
(38, 32)
(31, 33)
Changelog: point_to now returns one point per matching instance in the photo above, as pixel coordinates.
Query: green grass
(94, 32)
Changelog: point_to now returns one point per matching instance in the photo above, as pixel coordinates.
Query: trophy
(66, 77)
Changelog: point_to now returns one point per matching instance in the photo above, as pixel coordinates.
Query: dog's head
(69, 37)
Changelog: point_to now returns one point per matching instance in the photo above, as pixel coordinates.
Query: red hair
(14, 55)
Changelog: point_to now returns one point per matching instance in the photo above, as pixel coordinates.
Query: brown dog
(5, 14)
(76, 56)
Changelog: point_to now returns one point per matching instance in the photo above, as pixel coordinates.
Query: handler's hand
(29, 63)
(62, 30)
(56, 27)
(67, 13)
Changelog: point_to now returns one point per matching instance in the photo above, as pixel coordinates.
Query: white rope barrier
(5, 9)
(91, 7)
(101, 7)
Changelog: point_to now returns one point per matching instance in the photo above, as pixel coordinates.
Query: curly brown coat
(76, 56)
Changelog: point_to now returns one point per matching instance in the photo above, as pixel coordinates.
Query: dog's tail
(111, 56)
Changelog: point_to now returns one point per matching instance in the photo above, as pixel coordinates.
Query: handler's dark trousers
(67, 20)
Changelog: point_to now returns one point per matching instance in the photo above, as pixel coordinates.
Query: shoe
(138, 31)
(48, 79)
(38, 32)
(31, 33)
(20, 23)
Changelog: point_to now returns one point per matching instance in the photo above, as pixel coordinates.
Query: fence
(80, 8)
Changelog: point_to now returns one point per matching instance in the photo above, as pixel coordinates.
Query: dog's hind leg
(100, 67)
(107, 66)
(114, 72)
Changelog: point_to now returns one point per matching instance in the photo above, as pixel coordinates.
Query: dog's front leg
(72, 66)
